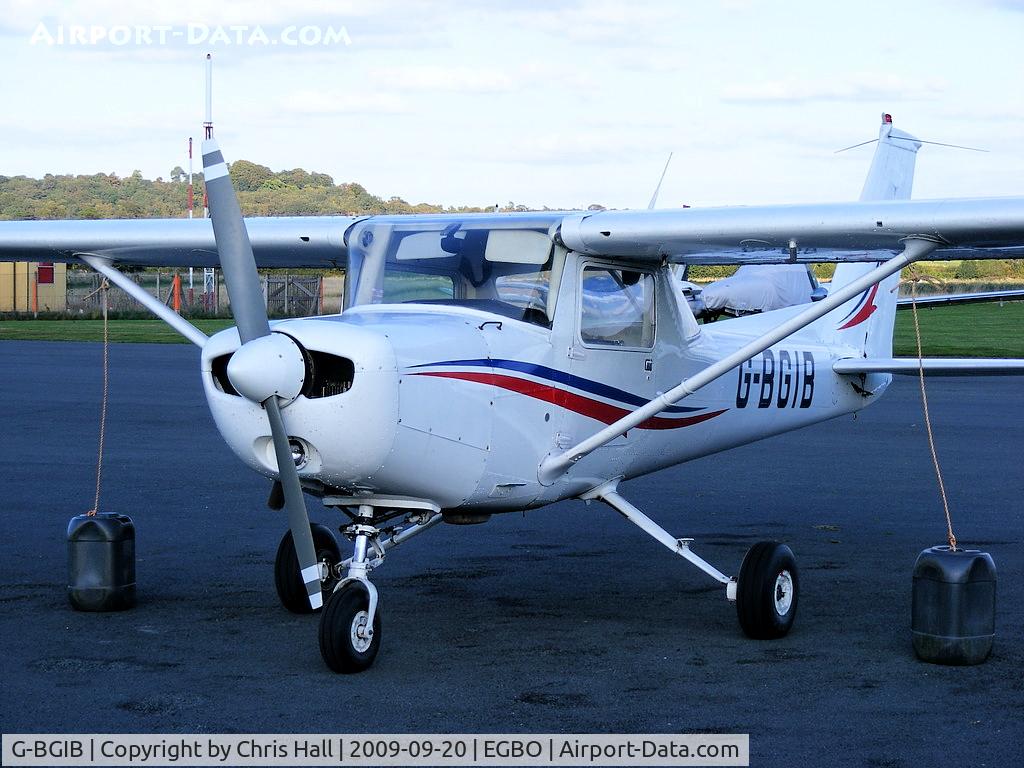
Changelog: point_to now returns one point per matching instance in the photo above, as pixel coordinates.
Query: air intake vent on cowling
(326, 374)
(219, 366)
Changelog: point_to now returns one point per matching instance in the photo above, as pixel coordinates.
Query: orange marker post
(176, 294)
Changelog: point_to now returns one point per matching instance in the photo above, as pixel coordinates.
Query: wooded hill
(261, 192)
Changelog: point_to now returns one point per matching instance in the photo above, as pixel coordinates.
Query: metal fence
(203, 293)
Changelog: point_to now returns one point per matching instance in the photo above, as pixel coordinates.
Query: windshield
(508, 266)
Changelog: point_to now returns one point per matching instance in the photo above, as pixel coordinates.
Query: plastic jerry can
(954, 606)
(101, 562)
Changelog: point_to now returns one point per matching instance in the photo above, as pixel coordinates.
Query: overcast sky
(545, 103)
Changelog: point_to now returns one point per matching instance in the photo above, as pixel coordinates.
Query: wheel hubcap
(328, 578)
(361, 634)
(783, 595)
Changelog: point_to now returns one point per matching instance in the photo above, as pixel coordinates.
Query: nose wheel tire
(288, 576)
(767, 591)
(347, 643)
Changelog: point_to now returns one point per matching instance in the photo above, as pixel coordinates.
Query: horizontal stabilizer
(934, 366)
(904, 302)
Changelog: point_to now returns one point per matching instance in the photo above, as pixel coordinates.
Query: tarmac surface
(566, 619)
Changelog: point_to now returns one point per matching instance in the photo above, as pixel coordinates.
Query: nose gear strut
(350, 624)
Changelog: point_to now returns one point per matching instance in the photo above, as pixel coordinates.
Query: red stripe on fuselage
(593, 409)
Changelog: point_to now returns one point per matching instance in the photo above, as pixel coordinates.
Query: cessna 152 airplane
(497, 363)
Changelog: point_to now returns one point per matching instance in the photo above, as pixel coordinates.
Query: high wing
(982, 228)
(287, 241)
(277, 241)
(979, 228)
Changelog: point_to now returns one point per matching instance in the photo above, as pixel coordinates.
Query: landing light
(298, 452)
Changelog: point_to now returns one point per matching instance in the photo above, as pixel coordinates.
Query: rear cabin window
(617, 307)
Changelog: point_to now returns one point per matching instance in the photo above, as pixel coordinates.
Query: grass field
(968, 330)
(155, 331)
(973, 330)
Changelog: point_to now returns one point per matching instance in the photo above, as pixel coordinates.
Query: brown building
(26, 287)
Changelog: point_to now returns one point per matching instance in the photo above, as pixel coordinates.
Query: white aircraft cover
(759, 288)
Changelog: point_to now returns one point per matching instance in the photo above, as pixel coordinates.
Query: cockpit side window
(617, 307)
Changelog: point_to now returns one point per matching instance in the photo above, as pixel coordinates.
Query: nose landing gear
(350, 625)
(349, 638)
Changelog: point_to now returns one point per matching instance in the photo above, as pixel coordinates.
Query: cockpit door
(612, 353)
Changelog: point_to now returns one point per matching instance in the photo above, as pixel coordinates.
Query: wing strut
(165, 313)
(554, 466)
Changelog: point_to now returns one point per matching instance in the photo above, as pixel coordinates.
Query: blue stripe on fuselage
(560, 377)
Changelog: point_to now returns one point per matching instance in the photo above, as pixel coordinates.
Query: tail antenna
(887, 120)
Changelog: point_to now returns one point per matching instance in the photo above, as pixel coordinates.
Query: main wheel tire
(767, 591)
(288, 576)
(343, 641)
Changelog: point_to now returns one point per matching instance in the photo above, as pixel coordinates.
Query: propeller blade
(295, 504)
(246, 296)
(233, 247)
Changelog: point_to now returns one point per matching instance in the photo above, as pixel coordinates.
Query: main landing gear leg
(350, 626)
(768, 585)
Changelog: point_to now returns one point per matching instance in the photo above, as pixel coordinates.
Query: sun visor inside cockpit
(421, 245)
(508, 246)
(518, 246)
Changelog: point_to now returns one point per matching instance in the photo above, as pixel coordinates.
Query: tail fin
(892, 170)
(866, 322)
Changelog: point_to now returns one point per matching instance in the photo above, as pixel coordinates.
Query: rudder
(866, 322)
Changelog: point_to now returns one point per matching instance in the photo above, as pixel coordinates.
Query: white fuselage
(460, 406)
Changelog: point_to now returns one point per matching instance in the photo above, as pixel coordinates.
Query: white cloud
(311, 102)
(26, 14)
(861, 87)
(574, 148)
(605, 23)
(435, 77)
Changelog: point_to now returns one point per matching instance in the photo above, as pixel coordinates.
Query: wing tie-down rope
(104, 291)
(915, 278)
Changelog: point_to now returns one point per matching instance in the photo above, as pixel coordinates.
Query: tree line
(261, 192)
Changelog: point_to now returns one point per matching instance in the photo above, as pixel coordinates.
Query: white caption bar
(502, 749)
